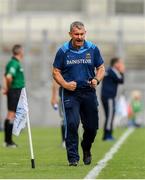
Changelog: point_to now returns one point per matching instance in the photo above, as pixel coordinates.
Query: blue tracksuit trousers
(80, 104)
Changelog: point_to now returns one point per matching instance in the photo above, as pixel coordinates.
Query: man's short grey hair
(76, 24)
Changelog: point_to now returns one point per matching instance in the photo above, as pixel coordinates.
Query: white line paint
(108, 156)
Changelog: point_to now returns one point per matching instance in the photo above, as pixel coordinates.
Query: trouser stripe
(110, 114)
(64, 113)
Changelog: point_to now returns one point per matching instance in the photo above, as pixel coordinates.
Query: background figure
(1, 127)
(57, 105)
(13, 83)
(114, 76)
(135, 109)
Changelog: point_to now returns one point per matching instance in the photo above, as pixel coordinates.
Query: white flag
(122, 107)
(21, 113)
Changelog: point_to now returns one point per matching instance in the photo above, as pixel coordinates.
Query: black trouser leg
(88, 139)
(89, 118)
(109, 109)
(63, 131)
(8, 127)
(72, 123)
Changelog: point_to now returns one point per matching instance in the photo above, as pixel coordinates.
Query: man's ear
(70, 34)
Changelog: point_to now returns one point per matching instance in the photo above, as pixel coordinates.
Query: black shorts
(13, 99)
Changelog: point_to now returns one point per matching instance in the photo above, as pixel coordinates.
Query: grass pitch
(51, 160)
(129, 162)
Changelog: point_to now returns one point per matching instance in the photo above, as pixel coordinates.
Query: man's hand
(71, 86)
(7, 80)
(4, 88)
(4, 91)
(93, 83)
(122, 68)
(54, 101)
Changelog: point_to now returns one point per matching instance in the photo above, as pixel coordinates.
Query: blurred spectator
(56, 104)
(135, 109)
(114, 76)
(0, 110)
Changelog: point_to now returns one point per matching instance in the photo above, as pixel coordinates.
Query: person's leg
(89, 118)
(12, 102)
(62, 123)
(105, 105)
(109, 108)
(8, 127)
(71, 115)
(112, 117)
(63, 134)
(63, 131)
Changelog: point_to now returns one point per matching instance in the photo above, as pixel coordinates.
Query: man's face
(120, 66)
(21, 53)
(117, 65)
(78, 36)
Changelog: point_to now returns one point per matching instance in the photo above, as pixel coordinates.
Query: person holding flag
(14, 82)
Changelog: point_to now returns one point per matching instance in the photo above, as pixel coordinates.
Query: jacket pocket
(68, 103)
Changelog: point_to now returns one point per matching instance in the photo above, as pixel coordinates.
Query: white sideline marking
(108, 156)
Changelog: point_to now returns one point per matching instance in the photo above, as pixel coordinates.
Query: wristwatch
(98, 82)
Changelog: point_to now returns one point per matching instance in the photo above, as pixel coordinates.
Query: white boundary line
(108, 156)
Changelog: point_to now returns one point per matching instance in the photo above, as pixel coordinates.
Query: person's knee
(91, 132)
(73, 127)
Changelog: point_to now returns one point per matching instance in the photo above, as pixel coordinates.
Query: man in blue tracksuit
(114, 76)
(78, 68)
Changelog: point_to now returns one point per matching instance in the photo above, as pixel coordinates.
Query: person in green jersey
(136, 108)
(14, 81)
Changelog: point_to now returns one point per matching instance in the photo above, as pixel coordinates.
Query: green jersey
(136, 106)
(15, 69)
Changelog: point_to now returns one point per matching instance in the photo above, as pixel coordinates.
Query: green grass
(129, 162)
(51, 159)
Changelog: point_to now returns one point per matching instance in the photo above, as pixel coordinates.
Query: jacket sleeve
(117, 77)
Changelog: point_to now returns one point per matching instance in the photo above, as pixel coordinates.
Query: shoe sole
(73, 164)
(9, 146)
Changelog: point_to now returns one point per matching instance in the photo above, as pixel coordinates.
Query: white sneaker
(10, 145)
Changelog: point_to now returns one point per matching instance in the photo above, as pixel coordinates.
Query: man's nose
(80, 36)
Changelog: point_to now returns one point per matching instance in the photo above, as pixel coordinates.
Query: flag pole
(30, 142)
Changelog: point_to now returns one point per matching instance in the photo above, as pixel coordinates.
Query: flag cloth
(21, 113)
(122, 107)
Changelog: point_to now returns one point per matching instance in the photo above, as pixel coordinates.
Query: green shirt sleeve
(12, 69)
